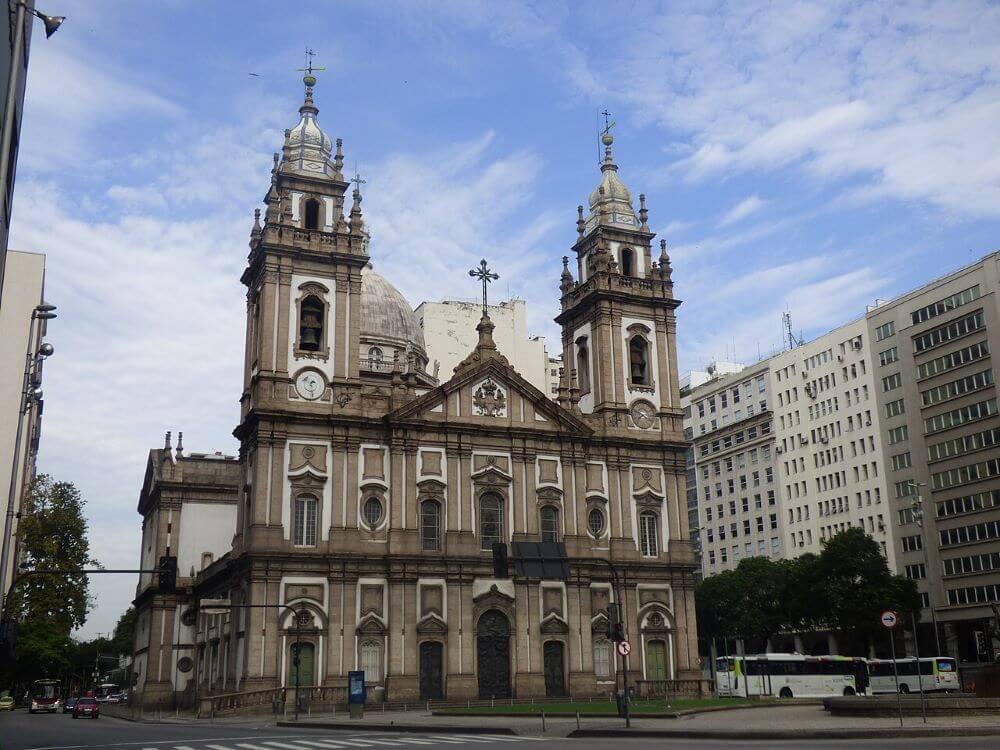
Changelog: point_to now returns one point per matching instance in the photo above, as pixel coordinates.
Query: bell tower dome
(618, 321)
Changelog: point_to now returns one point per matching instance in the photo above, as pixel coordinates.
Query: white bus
(787, 675)
(937, 674)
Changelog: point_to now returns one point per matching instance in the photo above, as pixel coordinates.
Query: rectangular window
(957, 566)
(885, 330)
(963, 415)
(888, 356)
(978, 472)
(980, 532)
(892, 382)
(913, 543)
(895, 408)
(974, 595)
(966, 444)
(648, 541)
(916, 572)
(961, 386)
(901, 461)
(305, 522)
(971, 353)
(957, 506)
(940, 307)
(948, 332)
(898, 434)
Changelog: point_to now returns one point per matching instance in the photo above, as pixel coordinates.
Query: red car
(87, 707)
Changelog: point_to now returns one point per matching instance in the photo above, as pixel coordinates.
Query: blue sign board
(356, 687)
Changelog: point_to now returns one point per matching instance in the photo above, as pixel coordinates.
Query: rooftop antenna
(789, 338)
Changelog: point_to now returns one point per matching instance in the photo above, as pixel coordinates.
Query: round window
(372, 512)
(185, 664)
(595, 521)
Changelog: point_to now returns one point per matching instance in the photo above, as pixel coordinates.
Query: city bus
(105, 690)
(45, 696)
(937, 674)
(788, 675)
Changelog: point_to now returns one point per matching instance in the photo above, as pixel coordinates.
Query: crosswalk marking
(218, 747)
(414, 741)
(282, 745)
(468, 738)
(321, 743)
(247, 746)
(382, 742)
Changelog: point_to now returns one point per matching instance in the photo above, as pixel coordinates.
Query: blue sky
(800, 156)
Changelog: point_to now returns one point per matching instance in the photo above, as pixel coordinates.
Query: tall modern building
(23, 288)
(937, 398)
(827, 441)
(734, 455)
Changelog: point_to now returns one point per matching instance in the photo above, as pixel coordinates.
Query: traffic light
(500, 560)
(616, 630)
(167, 577)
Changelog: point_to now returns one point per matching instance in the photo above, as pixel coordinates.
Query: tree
(123, 641)
(856, 585)
(52, 535)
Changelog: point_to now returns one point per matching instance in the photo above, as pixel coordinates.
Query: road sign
(889, 619)
(624, 648)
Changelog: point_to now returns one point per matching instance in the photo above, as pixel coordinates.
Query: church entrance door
(431, 680)
(493, 655)
(555, 683)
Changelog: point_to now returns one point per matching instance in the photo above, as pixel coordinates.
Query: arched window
(372, 512)
(311, 324)
(648, 534)
(490, 520)
(371, 660)
(550, 523)
(595, 521)
(602, 659)
(628, 262)
(430, 525)
(312, 214)
(375, 354)
(583, 365)
(206, 559)
(638, 354)
(305, 521)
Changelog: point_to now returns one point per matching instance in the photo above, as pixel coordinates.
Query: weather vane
(309, 70)
(607, 125)
(485, 275)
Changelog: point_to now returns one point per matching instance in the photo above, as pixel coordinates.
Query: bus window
(946, 665)
(722, 664)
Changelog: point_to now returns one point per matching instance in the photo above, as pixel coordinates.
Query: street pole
(918, 512)
(920, 678)
(39, 312)
(13, 81)
(895, 676)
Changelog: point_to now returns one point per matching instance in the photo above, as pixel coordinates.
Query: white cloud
(746, 207)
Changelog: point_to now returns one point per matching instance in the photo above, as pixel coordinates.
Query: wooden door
(555, 681)
(431, 671)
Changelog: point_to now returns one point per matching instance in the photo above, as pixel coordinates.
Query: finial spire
(485, 275)
(607, 139)
(643, 213)
(180, 445)
(309, 79)
(580, 223)
(166, 442)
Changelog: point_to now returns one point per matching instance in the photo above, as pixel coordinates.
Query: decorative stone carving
(648, 596)
(430, 463)
(549, 496)
(599, 623)
(490, 399)
(552, 601)
(371, 600)
(595, 478)
(372, 625)
(374, 460)
(432, 625)
(493, 599)
(553, 625)
(496, 463)
(644, 477)
(312, 591)
(599, 600)
(312, 456)
(548, 471)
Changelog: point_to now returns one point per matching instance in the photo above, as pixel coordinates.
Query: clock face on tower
(643, 414)
(310, 385)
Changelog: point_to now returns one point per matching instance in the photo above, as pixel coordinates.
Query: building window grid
(947, 304)
(953, 360)
(960, 387)
(960, 416)
(948, 332)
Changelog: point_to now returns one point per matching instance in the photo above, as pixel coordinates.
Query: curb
(393, 727)
(678, 714)
(808, 734)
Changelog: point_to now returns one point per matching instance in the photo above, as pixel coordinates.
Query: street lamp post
(13, 83)
(918, 515)
(31, 394)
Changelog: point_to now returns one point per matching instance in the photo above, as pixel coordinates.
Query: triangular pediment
(372, 625)
(553, 625)
(432, 625)
(428, 407)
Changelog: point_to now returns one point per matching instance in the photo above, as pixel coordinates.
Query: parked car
(69, 705)
(87, 707)
(7, 703)
(113, 698)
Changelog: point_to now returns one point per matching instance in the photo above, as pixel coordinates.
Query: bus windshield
(722, 664)
(45, 690)
(946, 665)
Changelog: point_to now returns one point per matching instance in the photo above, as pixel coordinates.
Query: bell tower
(618, 321)
(303, 274)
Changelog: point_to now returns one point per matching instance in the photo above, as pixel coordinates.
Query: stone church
(359, 516)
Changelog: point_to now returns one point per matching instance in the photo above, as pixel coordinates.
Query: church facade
(355, 527)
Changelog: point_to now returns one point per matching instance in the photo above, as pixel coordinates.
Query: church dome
(308, 148)
(616, 200)
(386, 316)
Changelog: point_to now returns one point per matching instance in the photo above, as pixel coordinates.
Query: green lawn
(599, 707)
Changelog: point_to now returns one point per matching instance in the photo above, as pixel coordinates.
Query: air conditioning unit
(840, 357)
(856, 344)
(779, 450)
(824, 440)
(805, 374)
(868, 422)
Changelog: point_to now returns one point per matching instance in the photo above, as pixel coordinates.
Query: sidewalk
(777, 722)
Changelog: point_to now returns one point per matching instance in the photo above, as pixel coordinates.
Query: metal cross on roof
(358, 182)
(485, 275)
(607, 125)
(309, 63)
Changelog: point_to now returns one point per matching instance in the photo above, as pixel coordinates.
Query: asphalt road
(21, 731)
